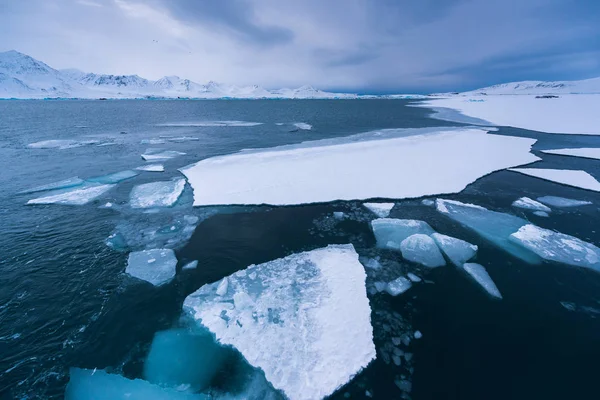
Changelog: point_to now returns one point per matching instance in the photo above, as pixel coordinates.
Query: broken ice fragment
(382, 210)
(428, 202)
(481, 276)
(390, 232)
(556, 201)
(156, 266)
(338, 215)
(457, 250)
(64, 184)
(541, 213)
(530, 204)
(76, 197)
(190, 265)
(418, 335)
(293, 319)
(575, 178)
(114, 178)
(422, 249)
(413, 277)
(151, 168)
(303, 125)
(398, 286)
(159, 155)
(156, 194)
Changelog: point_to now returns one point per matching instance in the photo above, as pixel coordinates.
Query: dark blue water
(65, 300)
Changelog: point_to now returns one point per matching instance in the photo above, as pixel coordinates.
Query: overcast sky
(351, 45)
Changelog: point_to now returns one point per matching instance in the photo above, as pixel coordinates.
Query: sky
(365, 46)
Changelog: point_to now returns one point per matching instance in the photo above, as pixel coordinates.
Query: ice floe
(152, 168)
(161, 155)
(85, 384)
(556, 246)
(181, 139)
(457, 250)
(428, 202)
(422, 249)
(589, 152)
(76, 196)
(303, 125)
(530, 204)
(211, 123)
(481, 276)
(61, 144)
(413, 278)
(576, 178)
(114, 178)
(156, 266)
(359, 167)
(398, 286)
(153, 141)
(190, 265)
(64, 184)
(541, 213)
(562, 202)
(156, 194)
(390, 232)
(382, 210)
(304, 319)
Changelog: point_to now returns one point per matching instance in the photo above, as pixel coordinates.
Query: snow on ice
(156, 194)
(530, 204)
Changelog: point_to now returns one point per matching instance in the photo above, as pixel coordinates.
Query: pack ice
(530, 204)
(479, 274)
(575, 178)
(390, 232)
(156, 194)
(303, 319)
(382, 210)
(156, 266)
(354, 168)
(77, 196)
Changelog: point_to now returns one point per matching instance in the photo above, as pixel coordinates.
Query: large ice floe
(390, 232)
(382, 210)
(458, 251)
(156, 266)
(374, 165)
(556, 246)
(156, 194)
(305, 319)
(530, 204)
(562, 202)
(589, 152)
(478, 273)
(576, 178)
(421, 248)
(76, 196)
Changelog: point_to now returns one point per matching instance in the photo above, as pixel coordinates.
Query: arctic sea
(65, 300)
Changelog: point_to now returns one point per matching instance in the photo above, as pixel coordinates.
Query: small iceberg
(304, 320)
(382, 210)
(156, 266)
(562, 202)
(558, 247)
(575, 178)
(530, 204)
(114, 178)
(481, 276)
(161, 155)
(457, 250)
(398, 286)
(156, 194)
(303, 126)
(74, 197)
(390, 232)
(64, 184)
(422, 249)
(152, 168)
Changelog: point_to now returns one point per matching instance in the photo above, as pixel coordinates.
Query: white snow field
(556, 246)
(479, 274)
(156, 266)
(421, 248)
(575, 178)
(586, 152)
(76, 196)
(391, 232)
(305, 319)
(562, 202)
(347, 169)
(530, 204)
(152, 168)
(457, 250)
(382, 210)
(156, 194)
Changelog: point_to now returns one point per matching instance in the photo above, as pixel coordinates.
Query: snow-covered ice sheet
(305, 319)
(87, 384)
(156, 266)
(115, 177)
(589, 152)
(156, 194)
(479, 274)
(574, 114)
(211, 123)
(562, 202)
(390, 232)
(398, 286)
(76, 196)
(457, 250)
(422, 249)
(382, 210)
(64, 184)
(530, 204)
(575, 178)
(351, 168)
(556, 246)
(161, 155)
(152, 168)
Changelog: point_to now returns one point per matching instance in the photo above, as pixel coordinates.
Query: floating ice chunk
(413, 277)
(380, 286)
(190, 265)
(85, 384)
(64, 184)
(561, 202)
(75, 197)
(428, 202)
(457, 250)
(493, 226)
(480, 275)
(293, 319)
(541, 213)
(161, 155)
(152, 168)
(418, 335)
(422, 249)
(382, 210)
(222, 287)
(211, 123)
(556, 246)
(398, 286)
(156, 266)
(589, 152)
(303, 125)
(319, 171)
(183, 357)
(390, 232)
(156, 194)
(114, 178)
(153, 141)
(180, 139)
(576, 178)
(55, 144)
(372, 263)
(530, 204)
(338, 215)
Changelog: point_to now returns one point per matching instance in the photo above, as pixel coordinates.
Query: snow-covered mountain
(24, 77)
(587, 86)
